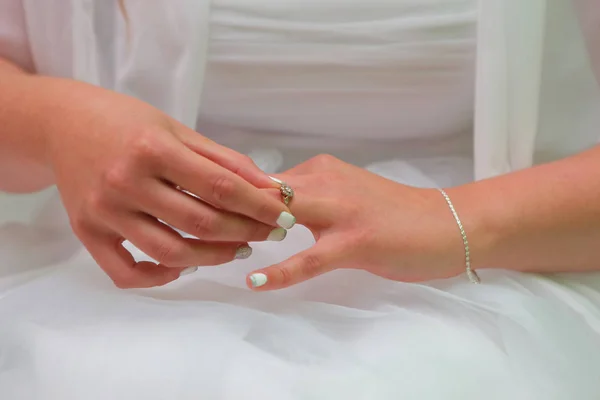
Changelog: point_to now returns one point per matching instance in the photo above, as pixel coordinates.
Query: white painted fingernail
(243, 252)
(286, 220)
(188, 271)
(276, 180)
(277, 235)
(258, 280)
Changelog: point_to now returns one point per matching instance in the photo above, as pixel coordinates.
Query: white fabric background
(67, 333)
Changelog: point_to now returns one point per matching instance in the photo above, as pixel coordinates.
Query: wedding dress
(387, 85)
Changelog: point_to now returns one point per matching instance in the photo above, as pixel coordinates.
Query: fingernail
(258, 280)
(276, 180)
(243, 252)
(277, 235)
(286, 220)
(188, 271)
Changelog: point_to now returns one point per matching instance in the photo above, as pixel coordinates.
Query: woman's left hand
(363, 221)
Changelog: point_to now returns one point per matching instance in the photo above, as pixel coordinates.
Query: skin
(117, 162)
(544, 219)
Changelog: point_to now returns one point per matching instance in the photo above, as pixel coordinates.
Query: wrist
(62, 110)
(31, 113)
(24, 164)
(476, 212)
(438, 237)
(56, 111)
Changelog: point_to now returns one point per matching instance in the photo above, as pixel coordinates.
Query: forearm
(23, 163)
(542, 219)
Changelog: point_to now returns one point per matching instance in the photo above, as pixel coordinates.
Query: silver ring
(287, 193)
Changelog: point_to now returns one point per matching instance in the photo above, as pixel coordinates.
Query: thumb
(319, 259)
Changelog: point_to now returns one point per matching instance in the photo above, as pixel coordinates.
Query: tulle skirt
(67, 333)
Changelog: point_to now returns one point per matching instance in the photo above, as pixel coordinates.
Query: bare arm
(542, 219)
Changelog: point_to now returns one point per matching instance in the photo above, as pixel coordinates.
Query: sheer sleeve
(14, 43)
(589, 15)
(538, 92)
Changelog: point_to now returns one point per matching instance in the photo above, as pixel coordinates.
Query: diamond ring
(287, 193)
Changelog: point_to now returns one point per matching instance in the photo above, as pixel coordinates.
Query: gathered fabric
(426, 93)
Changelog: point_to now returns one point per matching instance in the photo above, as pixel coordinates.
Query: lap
(69, 334)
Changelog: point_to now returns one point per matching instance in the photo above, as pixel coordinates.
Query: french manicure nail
(258, 280)
(276, 180)
(188, 271)
(243, 252)
(277, 235)
(286, 220)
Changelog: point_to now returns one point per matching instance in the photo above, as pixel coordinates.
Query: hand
(363, 221)
(117, 164)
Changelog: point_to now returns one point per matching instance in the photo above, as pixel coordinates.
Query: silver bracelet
(471, 274)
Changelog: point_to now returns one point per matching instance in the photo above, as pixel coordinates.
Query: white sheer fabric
(538, 99)
(342, 69)
(67, 333)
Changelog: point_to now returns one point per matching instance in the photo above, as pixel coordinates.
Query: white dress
(385, 84)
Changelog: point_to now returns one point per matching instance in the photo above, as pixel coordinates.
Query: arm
(542, 219)
(118, 163)
(23, 166)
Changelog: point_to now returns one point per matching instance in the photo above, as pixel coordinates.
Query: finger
(309, 205)
(308, 264)
(109, 253)
(235, 162)
(226, 190)
(199, 219)
(168, 248)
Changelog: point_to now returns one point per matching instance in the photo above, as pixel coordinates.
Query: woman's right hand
(118, 164)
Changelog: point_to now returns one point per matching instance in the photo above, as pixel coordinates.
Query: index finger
(226, 190)
(230, 159)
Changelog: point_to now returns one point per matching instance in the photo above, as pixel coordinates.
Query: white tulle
(67, 333)
(284, 86)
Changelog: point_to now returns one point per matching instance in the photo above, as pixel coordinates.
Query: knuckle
(256, 231)
(95, 204)
(202, 225)
(324, 160)
(285, 276)
(146, 147)
(246, 160)
(243, 163)
(116, 178)
(311, 265)
(222, 188)
(264, 211)
(168, 254)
